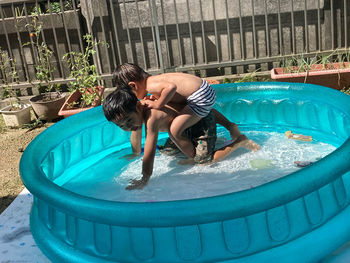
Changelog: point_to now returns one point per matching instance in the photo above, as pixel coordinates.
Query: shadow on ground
(5, 201)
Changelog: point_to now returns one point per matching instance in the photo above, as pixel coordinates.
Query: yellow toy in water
(298, 137)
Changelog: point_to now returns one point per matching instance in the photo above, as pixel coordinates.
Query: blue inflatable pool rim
(194, 211)
(332, 170)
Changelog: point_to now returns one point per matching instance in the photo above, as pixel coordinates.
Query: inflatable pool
(301, 217)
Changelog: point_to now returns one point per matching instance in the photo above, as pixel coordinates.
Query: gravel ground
(12, 144)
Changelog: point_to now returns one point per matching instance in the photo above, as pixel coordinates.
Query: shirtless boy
(123, 108)
(186, 89)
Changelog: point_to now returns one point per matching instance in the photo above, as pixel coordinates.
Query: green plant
(312, 61)
(37, 123)
(226, 80)
(249, 77)
(303, 63)
(43, 67)
(9, 76)
(55, 7)
(297, 64)
(36, 11)
(84, 74)
(19, 12)
(346, 90)
(327, 61)
(347, 57)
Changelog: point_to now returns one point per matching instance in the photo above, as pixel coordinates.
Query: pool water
(242, 170)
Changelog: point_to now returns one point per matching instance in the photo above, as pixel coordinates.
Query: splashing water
(171, 181)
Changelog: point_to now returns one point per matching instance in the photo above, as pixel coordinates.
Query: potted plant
(17, 113)
(85, 92)
(47, 104)
(330, 71)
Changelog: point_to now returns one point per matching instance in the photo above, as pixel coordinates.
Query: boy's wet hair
(127, 72)
(119, 103)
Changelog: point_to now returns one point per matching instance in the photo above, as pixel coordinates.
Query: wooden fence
(204, 37)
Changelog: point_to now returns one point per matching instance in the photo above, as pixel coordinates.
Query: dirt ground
(12, 144)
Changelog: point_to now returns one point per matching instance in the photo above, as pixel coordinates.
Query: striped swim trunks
(202, 100)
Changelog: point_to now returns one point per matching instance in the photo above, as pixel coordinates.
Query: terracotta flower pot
(67, 111)
(18, 117)
(335, 76)
(47, 109)
(213, 81)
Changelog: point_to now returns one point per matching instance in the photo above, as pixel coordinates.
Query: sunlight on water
(171, 181)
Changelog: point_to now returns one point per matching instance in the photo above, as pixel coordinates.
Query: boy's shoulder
(173, 77)
(155, 118)
(168, 76)
(153, 115)
(156, 78)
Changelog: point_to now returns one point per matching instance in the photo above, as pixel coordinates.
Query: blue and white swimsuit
(202, 100)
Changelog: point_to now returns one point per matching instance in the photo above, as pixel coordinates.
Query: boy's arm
(148, 157)
(135, 141)
(166, 91)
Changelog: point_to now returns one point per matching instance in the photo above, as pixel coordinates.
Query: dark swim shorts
(203, 136)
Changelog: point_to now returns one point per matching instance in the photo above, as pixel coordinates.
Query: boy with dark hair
(116, 107)
(126, 72)
(197, 96)
(122, 108)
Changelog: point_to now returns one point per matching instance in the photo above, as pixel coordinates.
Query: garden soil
(12, 144)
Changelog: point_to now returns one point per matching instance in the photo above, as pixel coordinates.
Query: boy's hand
(152, 104)
(137, 184)
(150, 97)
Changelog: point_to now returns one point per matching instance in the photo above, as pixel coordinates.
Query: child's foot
(169, 148)
(244, 142)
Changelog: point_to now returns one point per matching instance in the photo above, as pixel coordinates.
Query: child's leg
(184, 120)
(242, 141)
(230, 126)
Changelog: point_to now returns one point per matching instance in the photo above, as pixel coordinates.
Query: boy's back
(186, 85)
